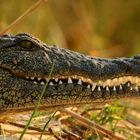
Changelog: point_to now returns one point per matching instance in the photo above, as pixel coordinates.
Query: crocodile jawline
(25, 63)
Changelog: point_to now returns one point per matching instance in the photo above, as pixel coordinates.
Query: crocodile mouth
(121, 84)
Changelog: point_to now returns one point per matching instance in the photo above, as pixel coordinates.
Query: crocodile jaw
(76, 78)
(22, 93)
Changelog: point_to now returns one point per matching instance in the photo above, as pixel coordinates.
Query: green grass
(37, 105)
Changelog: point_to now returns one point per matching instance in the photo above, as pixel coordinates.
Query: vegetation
(99, 28)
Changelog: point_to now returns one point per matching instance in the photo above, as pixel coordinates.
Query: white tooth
(26, 77)
(107, 88)
(32, 78)
(120, 87)
(51, 83)
(93, 86)
(99, 88)
(39, 78)
(70, 80)
(114, 88)
(79, 82)
(131, 88)
(88, 86)
(128, 84)
(35, 82)
(56, 79)
(136, 88)
(42, 83)
(60, 82)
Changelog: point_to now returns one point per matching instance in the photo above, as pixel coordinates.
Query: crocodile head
(25, 63)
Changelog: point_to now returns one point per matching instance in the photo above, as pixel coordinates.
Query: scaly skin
(25, 63)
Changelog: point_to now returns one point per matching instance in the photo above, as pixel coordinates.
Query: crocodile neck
(25, 63)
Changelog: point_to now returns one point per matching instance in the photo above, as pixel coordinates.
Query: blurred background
(102, 28)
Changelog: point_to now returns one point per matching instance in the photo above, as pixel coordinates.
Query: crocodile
(26, 62)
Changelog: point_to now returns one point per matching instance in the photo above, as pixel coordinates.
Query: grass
(37, 104)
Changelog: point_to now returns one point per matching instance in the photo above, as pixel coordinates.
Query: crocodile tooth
(136, 88)
(114, 88)
(70, 80)
(26, 77)
(51, 84)
(35, 82)
(42, 83)
(131, 88)
(88, 86)
(107, 88)
(99, 88)
(60, 82)
(120, 87)
(32, 78)
(39, 78)
(79, 82)
(128, 84)
(93, 86)
(56, 79)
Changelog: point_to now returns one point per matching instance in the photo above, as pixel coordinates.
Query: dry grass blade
(54, 135)
(22, 126)
(27, 12)
(46, 125)
(31, 133)
(92, 125)
(71, 134)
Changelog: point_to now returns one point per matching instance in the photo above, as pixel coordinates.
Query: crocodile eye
(25, 44)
